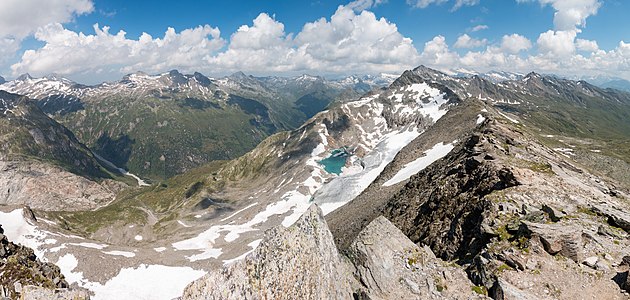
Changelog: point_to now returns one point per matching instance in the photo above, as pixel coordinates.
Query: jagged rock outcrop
(302, 262)
(24, 276)
(444, 206)
(299, 262)
(557, 239)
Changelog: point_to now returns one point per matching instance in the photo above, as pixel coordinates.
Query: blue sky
(568, 37)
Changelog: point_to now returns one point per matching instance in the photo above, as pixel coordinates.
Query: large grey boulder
(299, 262)
(390, 266)
(557, 239)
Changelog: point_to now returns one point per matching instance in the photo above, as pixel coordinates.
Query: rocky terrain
(24, 276)
(522, 220)
(302, 262)
(496, 187)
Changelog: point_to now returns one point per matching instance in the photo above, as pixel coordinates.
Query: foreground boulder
(390, 266)
(299, 262)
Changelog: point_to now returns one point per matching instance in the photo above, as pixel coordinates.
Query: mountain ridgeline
(162, 125)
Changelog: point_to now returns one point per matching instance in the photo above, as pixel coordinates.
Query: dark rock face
(389, 266)
(443, 205)
(19, 267)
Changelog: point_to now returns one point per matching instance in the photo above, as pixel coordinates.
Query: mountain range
(157, 126)
(434, 186)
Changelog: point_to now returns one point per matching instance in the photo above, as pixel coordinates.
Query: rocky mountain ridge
(44, 165)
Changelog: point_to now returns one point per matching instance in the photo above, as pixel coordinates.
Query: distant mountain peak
(533, 75)
(54, 76)
(238, 74)
(2, 80)
(24, 77)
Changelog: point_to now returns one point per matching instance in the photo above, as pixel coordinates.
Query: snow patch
(239, 211)
(509, 118)
(182, 223)
(438, 151)
(252, 245)
(120, 253)
(480, 119)
(20, 231)
(89, 245)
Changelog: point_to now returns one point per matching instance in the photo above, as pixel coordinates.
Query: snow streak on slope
(438, 151)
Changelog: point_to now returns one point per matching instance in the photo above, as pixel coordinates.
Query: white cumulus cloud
(570, 14)
(68, 52)
(515, 43)
(467, 42)
(586, 45)
(19, 18)
(557, 43)
(349, 41)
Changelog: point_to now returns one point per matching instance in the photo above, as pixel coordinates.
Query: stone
(503, 290)
(390, 266)
(29, 215)
(531, 264)
(17, 286)
(602, 266)
(615, 217)
(299, 262)
(38, 293)
(557, 239)
(554, 214)
(608, 257)
(625, 260)
(605, 230)
(591, 261)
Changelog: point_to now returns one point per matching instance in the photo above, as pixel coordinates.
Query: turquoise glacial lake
(335, 162)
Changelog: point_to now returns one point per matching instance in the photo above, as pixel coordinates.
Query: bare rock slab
(299, 262)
